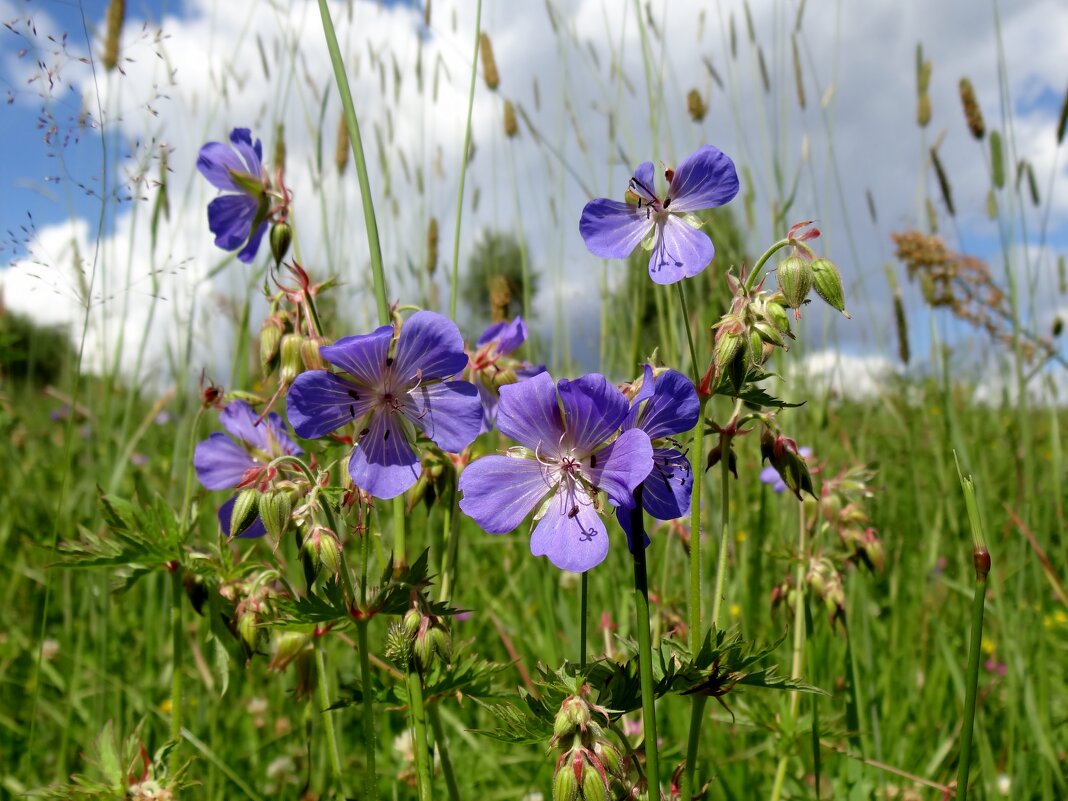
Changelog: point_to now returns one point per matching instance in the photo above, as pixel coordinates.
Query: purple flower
(490, 368)
(770, 476)
(222, 463)
(388, 397)
(664, 406)
(611, 230)
(561, 467)
(240, 218)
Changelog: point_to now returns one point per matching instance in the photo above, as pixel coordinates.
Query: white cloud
(205, 75)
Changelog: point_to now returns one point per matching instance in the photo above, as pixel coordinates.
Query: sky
(190, 71)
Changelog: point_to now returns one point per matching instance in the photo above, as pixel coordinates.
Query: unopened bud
(778, 317)
(270, 339)
(292, 363)
(574, 715)
(794, 275)
(275, 508)
(412, 618)
(828, 284)
(309, 353)
(287, 646)
(244, 511)
(248, 630)
(281, 238)
(610, 758)
(594, 787)
(565, 786)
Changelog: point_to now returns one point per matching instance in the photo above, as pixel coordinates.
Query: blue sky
(866, 53)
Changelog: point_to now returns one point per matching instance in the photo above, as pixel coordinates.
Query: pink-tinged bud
(594, 786)
(610, 758)
(574, 715)
(281, 238)
(794, 275)
(828, 284)
(286, 647)
(244, 511)
(248, 629)
(565, 785)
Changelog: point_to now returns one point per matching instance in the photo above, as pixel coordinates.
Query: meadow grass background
(75, 655)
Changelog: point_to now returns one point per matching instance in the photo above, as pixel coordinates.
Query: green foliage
(32, 353)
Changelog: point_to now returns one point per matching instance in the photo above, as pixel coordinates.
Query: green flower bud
(441, 643)
(610, 758)
(275, 508)
(794, 275)
(412, 618)
(594, 787)
(292, 363)
(281, 238)
(828, 284)
(244, 512)
(309, 353)
(565, 786)
(248, 630)
(270, 338)
(769, 333)
(777, 316)
(286, 647)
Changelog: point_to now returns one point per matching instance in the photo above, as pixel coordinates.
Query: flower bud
(292, 364)
(286, 647)
(270, 339)
(441, 643)
(565, 786)
(281, 239)
(769, 333)
(309, 353)
(275, 508)
(777, 316)
(244, 512)
(828, 284)
(594, 787)
(412, 618)
(794, 275)
(247, 629)
(574, 715)
(610, 758)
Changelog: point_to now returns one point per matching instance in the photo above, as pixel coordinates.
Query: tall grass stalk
(981, 561)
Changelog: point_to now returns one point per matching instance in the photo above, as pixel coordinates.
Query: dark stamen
(352, 410)
(386, 435)
(389, 361)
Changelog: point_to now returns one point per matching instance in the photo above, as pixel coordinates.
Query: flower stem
(328, 721)
(750, 280)
(583, 615)
(422, 751)
(451, 549)
(725, 519)
(645, 649)
(176, 670)
(443, 751)
(370, 790)
(463, 164)
(981, 560)
(378, 276)
(798, 646)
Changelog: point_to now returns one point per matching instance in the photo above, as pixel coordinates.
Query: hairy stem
(422, 751)
(443, 751)
(645, 648)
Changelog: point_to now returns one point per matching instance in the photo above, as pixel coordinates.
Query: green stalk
(725, 523)
(328, 722)
(443, 751)
(378, 277)
(370, 789)
(750, 280)
(422, 752)
(451, 533)
(981, 560)
(798, 646)
(583, 615)
(645, 649)
(463, 164)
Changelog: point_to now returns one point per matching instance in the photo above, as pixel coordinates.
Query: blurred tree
(492, 288)
(30, 352)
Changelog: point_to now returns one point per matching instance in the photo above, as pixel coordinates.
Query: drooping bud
(286, 647)
(275, 508)
(323, 546)
(292, 364)
(795, 277)
(247, 629)
(574, 716)
(244, 511)
(594, 787)
(828, 284)
(281, 239)
(777, 315)
(270, 339)
(610, 758)
(309, 353)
